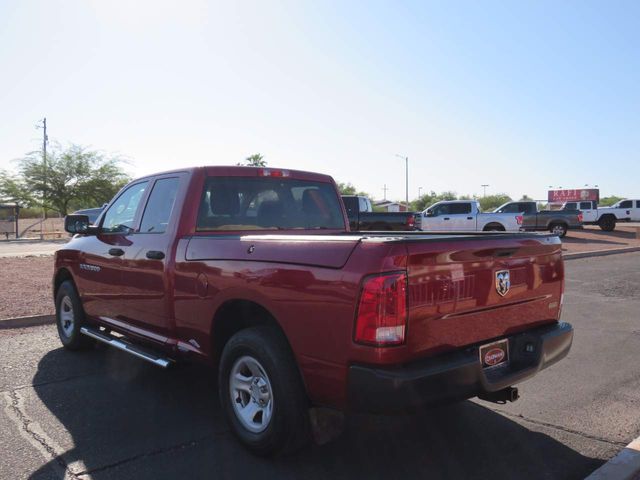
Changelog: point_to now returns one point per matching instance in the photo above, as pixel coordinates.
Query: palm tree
(255, 160)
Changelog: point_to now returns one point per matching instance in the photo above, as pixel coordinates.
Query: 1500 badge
(91, 268)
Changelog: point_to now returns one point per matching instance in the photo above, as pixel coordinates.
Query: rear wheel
(559, 229)
(70, 317)
(607, 223)
(493, 227)
(262, 393)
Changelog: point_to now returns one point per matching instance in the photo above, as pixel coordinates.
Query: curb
(624, 466)
(599, 253)
(23, 322)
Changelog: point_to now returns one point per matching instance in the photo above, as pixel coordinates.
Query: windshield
(248, 203)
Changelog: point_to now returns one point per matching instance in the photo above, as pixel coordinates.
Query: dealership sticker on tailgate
(494, 354)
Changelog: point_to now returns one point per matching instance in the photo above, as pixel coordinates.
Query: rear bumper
(457, 375)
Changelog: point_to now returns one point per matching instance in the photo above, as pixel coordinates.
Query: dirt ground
(591, 238)
(25, 282)
(25, 286)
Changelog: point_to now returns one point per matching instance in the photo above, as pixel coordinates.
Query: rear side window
(511, 208)
(248, 203)
(122, 213)
(351, 205)
(160, 205)
(459, 208)
(637, 203)
(585, 205)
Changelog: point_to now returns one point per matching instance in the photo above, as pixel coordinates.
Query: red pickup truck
(255, 271)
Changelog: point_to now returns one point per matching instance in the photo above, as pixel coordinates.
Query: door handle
(116, 252)
(446, 218)
(469, 218)
(155, 255)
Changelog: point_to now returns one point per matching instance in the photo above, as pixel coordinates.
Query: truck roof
(241, 171)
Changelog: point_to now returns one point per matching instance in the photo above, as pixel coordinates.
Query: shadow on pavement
(127, 419)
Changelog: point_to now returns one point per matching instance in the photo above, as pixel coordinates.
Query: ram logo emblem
(503, 282)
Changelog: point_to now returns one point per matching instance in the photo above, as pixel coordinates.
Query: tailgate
(466, 291)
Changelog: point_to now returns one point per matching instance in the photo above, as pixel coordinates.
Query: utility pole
(45, 139)
(385, 191)
(406, 170)
(484, 194)
(419, 191)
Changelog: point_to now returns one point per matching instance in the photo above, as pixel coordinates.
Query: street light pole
(406, 169)
(419, 191)
(484, 194)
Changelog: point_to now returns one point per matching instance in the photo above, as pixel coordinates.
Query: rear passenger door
(589, 214)
(144, 300)
(461, 218)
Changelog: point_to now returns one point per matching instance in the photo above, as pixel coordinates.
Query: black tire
(607, 223)
(559, 229)
(70, 317)
(288, 429)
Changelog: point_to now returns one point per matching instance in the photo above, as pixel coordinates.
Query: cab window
(121, 215)
(159, 206)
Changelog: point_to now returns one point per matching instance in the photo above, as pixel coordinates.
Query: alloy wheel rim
(251, 394)
(67, 318)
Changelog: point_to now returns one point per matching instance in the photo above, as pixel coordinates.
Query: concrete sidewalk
(26, 248)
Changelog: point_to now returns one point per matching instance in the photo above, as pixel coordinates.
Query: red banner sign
(575, 195)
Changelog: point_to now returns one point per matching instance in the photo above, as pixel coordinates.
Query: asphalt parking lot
(103, 414)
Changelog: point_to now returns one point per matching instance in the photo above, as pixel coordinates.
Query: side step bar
(126, 347)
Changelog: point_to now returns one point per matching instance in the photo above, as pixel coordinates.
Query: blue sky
(516, 95)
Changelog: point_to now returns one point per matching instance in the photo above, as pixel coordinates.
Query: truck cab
(465, 216)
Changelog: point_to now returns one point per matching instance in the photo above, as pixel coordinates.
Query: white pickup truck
(605, 217)
(633, 205)
(465, 216)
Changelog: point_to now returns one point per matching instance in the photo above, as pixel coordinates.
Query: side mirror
(78, 224)
(429, 213)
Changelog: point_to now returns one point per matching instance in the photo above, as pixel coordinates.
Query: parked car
(362, 217)
(632, 205)
(254, 271)
(465, 216)
(92, 213)
(605, 217)
(557, 222)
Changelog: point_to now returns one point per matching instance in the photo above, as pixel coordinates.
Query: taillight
(381, 318)
(519, 219)
(580, 217)
(270, 172)
(411, 221)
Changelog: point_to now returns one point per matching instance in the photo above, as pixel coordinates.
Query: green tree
(73, 177)
(255, 160)
(346, 188)
(491, 202)
(430, 198)
(349, 189)
(608, 201)
(526, 198)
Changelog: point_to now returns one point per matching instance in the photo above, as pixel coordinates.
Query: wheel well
(236, 315)
(558, 222)
(61, 276)
(608, 216)
(491, 226)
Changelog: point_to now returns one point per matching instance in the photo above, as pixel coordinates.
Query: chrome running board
(125, 346)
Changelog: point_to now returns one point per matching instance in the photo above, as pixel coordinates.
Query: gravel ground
(592, 238)
(25, 286)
